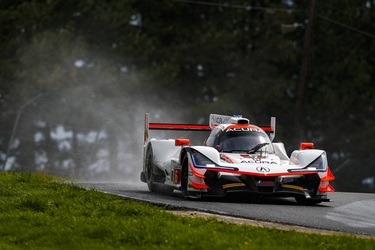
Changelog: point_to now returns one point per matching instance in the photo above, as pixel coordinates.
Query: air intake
(238, 119)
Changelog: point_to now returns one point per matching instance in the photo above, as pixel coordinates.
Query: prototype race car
(236, 157)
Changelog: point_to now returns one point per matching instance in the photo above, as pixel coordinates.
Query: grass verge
(38, 212)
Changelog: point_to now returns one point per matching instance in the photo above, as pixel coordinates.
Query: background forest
(76, 78)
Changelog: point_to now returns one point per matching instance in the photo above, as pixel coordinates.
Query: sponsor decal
(231, 185)
(263, 169)
(292, 187)
(176, 176)
(216, 120)
(247, 161)
(226, 158)
(220, 119)
(243, 129)
(259, 161)
(245, 155)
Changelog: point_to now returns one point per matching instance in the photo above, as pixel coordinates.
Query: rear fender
(164, 151)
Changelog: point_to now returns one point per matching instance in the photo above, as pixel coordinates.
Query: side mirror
(306, 145)
(182, 142)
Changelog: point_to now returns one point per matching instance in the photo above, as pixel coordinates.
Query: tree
(100, 65)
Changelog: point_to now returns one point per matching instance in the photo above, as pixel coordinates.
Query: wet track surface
(347, 212)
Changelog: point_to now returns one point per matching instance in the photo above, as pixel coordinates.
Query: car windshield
(244, 141)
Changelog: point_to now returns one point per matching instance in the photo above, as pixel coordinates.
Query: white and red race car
(236, 157)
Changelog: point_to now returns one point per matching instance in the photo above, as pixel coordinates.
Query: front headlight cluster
(318, 165)
(200, 160)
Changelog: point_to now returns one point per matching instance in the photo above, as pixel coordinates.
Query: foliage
(100, 65)
(37, 212)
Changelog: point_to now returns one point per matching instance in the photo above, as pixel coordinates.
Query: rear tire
(150, 170)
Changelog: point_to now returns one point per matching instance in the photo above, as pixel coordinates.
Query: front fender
(302, 158)
(210, 152)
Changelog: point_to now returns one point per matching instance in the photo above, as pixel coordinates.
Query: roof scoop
(238, 119)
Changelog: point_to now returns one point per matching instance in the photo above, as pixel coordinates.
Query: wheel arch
(183, 154)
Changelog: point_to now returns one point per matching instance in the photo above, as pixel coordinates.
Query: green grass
(38, 212)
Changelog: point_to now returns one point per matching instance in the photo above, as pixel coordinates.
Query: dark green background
(92, 69)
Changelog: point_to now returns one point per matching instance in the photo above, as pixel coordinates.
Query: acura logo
(263, 169)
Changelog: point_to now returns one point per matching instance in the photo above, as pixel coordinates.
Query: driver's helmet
(238, 143)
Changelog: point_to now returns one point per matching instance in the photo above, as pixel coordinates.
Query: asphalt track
(352, 213)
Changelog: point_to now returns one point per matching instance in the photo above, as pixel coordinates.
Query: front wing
(220, 182)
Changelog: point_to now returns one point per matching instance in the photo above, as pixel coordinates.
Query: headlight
(200, 160)
(318, 165)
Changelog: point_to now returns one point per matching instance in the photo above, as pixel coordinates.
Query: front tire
(184, 177)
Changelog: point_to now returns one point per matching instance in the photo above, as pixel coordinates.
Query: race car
(236, 157)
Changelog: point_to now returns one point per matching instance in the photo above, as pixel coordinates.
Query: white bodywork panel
(302, 158)
(164, 151)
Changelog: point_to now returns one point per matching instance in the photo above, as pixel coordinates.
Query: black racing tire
(305, 201)
(153, 186)
(149, 172)
(184, 177)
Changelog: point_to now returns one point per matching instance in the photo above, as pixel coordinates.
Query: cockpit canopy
(249, 139)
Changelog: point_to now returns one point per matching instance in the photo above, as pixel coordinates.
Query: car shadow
(239, 198)
(242, 198)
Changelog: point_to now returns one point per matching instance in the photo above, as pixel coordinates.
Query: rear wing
(170, 126)
(215, 120)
